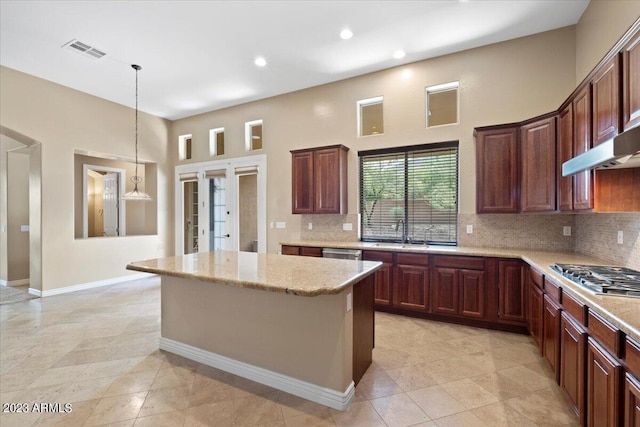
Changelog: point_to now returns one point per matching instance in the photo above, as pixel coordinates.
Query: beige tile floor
(98, 350)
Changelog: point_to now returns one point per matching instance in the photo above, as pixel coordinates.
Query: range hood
(622, 151)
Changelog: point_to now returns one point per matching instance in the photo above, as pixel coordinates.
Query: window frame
(407, 151)
(365, 103)
(444, 87)
(213, 141)
(248, 135)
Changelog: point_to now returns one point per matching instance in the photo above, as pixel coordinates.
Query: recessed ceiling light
(399, 54)
(260, 61)
(346, 34)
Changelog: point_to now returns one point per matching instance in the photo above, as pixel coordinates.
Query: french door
(221, 205)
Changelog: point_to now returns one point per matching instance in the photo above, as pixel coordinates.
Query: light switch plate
(281, 225)
(349, 302)
(566, 230)
(310, 226)
(24, 228)
(469, 228)
(4, 228)
(347, 226)
(620, 237)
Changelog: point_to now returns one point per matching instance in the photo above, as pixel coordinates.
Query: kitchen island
(304, 326)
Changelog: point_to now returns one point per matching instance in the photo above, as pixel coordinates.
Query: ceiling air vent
(84, 49)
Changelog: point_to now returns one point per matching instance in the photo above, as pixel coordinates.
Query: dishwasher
(354, 254)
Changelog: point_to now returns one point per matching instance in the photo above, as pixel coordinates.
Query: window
(216, 142)
(442, 104)
(253, 135)
(370, 118)
(410, 194)
(184, 147)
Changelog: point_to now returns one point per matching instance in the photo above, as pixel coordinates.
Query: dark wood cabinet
(459, 291)
(631, 83)
(512, 291)
(565, 153)
(606, 101)
(603, 387)
(535, 312)
(582, 181)
(551, 335)
(573, 341)
(384, 276)
(497, 168)
(631, 401)
(412, 287)
(290, 250)
(538, 150)
(319, 180)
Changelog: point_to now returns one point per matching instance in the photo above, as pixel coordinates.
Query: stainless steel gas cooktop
(604, 280)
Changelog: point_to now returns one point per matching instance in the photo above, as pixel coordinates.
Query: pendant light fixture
(136, 194)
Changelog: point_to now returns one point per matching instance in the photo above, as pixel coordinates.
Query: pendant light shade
(136, 194)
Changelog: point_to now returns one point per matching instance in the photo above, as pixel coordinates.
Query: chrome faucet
(404, 232)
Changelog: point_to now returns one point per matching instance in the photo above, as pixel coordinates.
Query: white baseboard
(19, 282)
(89, 285)
(322, 395)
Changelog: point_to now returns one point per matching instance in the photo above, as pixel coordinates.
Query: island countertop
(269, 272)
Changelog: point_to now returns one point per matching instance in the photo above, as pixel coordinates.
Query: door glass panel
(248, 212)
(218, 235)
(190, 192)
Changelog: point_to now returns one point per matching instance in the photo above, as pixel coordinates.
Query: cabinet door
(384, 280)
(583, 181)
(551, 337)
(538, 146)
(603, 384)
(411, 287)
(631, 401)
(498, 179)
(290, 250)
(328, 177)
(536, 309)
(565, 152)
(472, 294)
(631, 83)
(511, 291)
(606, 114)
(444, 291)
(302, 182)
(573, 341)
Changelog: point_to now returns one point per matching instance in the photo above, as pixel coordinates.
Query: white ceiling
(197, 56)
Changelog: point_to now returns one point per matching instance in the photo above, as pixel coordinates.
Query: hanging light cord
(136, 179)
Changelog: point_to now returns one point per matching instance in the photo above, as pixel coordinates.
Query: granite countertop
(276, 273)
(622, 312)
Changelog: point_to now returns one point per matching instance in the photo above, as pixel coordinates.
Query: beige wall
(65, 120)
(601, 25)
(18, 215)
(501, 83)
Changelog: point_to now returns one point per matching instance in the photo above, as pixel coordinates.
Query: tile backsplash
(597, 235)
(591, 234)
(513, 231)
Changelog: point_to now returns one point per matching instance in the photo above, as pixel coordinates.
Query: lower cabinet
(459, 291)
(573, 341)
(536, 311)
(412, 287)
(631, 401)
(512, 291)
(383, 276)
(551, 335)
(603, 385)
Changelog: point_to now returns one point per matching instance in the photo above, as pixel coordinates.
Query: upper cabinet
(538, 146)
(631, 83)
(583, 181)
(319, 180)
(565, 152)
(606, 101)
(497, 164)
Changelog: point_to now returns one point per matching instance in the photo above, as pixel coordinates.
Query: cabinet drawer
(412, 259)
(310, 251)
(290, 250)
(632, 356)
(466, 262)
(377, 256)
(554, 291)
(607, 335)
(575, 308)
(536, 277)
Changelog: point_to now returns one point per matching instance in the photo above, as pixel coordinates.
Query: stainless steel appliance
(604, 280)
(342, 253)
